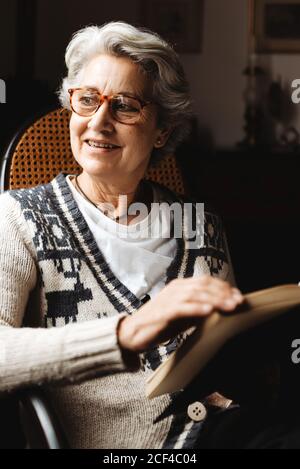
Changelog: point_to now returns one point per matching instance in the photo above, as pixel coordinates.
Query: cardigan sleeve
(37, 355)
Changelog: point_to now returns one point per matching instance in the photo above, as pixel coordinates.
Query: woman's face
(129, 160)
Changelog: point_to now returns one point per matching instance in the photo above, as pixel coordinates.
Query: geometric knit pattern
(76, 284)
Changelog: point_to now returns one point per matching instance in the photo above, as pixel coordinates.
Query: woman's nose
(102, 118)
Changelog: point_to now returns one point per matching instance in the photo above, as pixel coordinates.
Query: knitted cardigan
(60, 305)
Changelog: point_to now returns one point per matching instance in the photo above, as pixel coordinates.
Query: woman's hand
(183, 303)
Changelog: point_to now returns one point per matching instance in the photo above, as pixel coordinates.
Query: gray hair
(157, 59)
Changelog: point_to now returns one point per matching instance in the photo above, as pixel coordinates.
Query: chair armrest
(40, 424)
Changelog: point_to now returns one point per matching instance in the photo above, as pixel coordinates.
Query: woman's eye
(88, 100)
(125, 107)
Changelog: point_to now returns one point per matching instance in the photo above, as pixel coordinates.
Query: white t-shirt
(138, 260)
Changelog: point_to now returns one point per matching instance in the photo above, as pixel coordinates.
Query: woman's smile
(100, 139)
(95, 147)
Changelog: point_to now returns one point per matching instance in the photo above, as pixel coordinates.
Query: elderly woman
(76, 268)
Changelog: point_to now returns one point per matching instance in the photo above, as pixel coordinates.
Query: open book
(187, 362)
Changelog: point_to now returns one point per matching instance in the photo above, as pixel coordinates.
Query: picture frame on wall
(276, 26)
(180, 22)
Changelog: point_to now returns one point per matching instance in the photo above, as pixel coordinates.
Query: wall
(215, 76)
(7, 37)
(57, 21)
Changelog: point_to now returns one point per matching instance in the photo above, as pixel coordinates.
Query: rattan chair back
(42, 150)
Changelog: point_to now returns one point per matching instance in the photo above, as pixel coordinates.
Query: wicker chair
(36, 154)
(41, 150)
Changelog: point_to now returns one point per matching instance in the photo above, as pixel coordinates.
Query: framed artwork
(178, 21)
(275, 25)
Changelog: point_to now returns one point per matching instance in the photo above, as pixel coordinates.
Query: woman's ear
(162, 137)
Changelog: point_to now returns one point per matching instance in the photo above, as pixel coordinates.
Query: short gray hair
(157, 59)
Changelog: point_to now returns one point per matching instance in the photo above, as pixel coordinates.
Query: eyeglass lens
(123, 108)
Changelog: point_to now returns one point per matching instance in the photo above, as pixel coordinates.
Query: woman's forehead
(112, 74)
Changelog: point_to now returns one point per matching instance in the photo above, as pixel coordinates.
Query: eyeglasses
(125, 109)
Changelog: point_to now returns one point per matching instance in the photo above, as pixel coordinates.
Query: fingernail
(230, 302)
(206, 308)
(237, 294)
(238, 297)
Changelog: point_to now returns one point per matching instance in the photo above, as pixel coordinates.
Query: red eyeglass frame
(108, 98)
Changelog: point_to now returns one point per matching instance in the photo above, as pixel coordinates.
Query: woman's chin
(98, 161)
(97, 167)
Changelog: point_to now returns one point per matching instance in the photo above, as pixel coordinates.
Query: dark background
(255, 190)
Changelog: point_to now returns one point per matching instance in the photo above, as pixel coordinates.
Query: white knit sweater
(60, 305)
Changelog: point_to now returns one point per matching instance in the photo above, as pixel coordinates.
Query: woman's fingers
(217, 299)
(200, 309)
(209, 293)
(181, 304)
